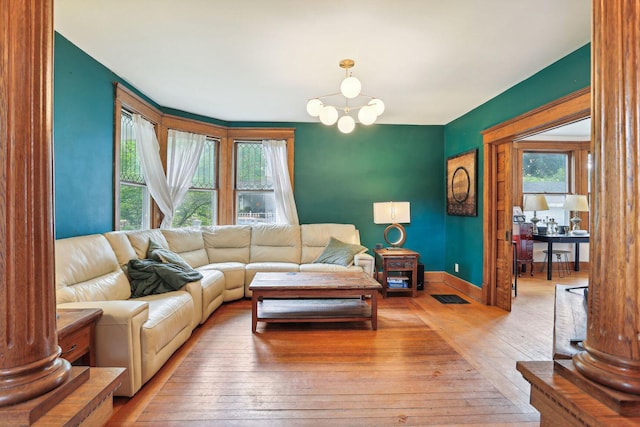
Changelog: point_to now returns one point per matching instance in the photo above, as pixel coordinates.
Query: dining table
(571, 237)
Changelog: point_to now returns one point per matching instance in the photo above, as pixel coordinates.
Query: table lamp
(392, 213)
(535, 202)
(576, 203)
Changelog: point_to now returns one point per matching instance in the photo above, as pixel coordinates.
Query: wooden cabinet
(76, 329)
(399, 264)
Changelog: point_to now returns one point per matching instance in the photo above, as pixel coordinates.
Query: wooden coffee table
(314, 297)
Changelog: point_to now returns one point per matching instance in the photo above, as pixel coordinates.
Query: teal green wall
(83, 97)
(463, 242)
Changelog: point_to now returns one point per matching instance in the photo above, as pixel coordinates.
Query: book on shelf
(397, 282)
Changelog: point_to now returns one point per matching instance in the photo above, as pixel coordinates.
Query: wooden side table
(76, 332)
(397, 262)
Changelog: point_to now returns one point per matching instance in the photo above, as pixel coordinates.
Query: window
(134, 198)
(201, 200)
(230, 184)
(547, 173)
(254, 187)
(555, 169)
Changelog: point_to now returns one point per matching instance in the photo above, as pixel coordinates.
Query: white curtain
(183, 154)
(149, 153)
(277, 166)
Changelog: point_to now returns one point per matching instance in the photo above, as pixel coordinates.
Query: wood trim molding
(455, 282)
(131, 101)
(190, 125)
(568, 109)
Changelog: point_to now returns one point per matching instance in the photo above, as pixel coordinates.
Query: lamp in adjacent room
(368, 107)
(535, 202)
(576, 203)
(394, 213)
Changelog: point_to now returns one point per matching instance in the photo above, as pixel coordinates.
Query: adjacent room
(335, 213)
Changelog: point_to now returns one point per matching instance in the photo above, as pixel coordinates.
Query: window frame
(126, 100)
(251, 135)
(214, 192)
(236, 189)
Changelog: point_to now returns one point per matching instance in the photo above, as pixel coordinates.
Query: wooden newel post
(612, 355)
(29, 354)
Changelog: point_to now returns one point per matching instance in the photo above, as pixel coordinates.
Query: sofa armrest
(365, 261)
(117, 338)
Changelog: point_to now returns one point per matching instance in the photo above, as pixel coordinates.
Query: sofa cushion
(121, 245)
(275, 243)
(339, 252)
(157, 253)
(87, 270)
(227, 243)
(315, 237)
(139, 240)
(188, 244)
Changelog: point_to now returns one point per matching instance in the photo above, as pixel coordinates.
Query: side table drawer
(400, 263)
(76, 344)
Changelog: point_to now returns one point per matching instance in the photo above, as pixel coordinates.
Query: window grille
(251, 167)
(205, 177)
(130, 169)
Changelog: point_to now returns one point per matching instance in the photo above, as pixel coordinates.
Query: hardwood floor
(427, 364)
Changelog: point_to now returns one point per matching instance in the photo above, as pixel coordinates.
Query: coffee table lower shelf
(314, 310)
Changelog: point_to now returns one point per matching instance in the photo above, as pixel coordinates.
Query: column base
(560, 401)
(608, 370)
(26, 413)
(30, 381)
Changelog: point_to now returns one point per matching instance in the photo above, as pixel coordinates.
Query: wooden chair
(524, 247)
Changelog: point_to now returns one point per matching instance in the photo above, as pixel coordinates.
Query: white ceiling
(431, 61)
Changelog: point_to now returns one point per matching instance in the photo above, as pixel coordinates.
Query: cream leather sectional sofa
(141, 334)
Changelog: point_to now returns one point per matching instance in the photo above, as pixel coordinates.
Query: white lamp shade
(313, 107)
(576, 202)
(350, 87)
(367, 115)
(346, 124)
(328, 115)
(391, 212)
(378, 105)
(535, 202)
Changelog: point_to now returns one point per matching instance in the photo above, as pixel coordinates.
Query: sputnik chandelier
(350, 88)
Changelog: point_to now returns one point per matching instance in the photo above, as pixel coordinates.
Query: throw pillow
(338, 252)
(158, 253)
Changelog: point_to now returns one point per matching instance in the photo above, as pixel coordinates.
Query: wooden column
(612, 356)
(29, 355)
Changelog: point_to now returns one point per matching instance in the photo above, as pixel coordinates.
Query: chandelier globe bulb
(328, 115)
(346, 124)
(378, 105)
(313, 107)
(350, 87)
(367, 115)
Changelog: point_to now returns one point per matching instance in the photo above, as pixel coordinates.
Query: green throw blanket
(149, 277)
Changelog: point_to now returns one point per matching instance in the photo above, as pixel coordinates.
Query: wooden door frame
(571, 108)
